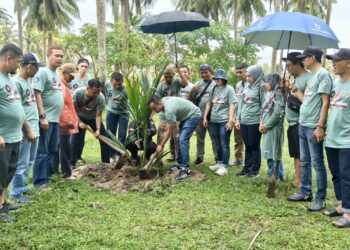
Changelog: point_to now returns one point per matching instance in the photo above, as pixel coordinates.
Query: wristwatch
(42, 116)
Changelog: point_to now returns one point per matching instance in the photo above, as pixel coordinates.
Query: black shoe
(300, 197)
(182, 175)
(172, 169)
(198, 162)
(242, 173)
(9, 207)
(6, 217)
(252, 176)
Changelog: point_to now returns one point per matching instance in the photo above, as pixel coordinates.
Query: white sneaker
(221, 171)
(215, 167)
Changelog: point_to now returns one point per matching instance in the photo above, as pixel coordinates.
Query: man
(313, 115)
(239, 145)
(68, 122)
(177, 109)
(200, 94)
(89, 104)
(117, 110)
(81, 79)
(28, 148)
(11, 123)
(170, 86)
(187, 86)
(338, 135)
(296, 69)
(49, 99)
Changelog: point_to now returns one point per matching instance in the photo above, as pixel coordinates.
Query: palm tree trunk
(101, 32)
(19, 23)
(116, 11)
(125, 13)
(50, 39)
(328, 19)
(273, 61)
(235, 19)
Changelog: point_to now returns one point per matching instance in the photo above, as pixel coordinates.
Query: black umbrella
(173, 22)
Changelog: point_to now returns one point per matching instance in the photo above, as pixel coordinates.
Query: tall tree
(18, 10)
(208, 8)
(4, 17)
(115, 9)
(101, 31)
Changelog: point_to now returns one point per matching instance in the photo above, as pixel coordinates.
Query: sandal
(341, 223)
(332, 213)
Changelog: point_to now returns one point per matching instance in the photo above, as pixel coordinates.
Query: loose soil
(127, 179)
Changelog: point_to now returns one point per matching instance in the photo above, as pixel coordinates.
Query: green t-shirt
(117, 99)
(221, 100)
(87, 109)
(185, 91)
(26, 92)
(205, 98)
(301, 81)
(177, 109)
(338, 123)
(164, 90)
(48, 83)
(250, 107)
(77, 82)
(11, 111)
(319, 83)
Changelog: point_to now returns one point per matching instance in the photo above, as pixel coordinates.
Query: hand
(238, 125)
(44, 124)
(262, 129)
(2, 143)
(97, 133)
(205, 122)
(229, 125)
(82, 125)
(319, 134)
(30, 135)
(138, 143)
(160, 149)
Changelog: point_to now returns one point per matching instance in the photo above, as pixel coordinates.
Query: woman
(248, 120)
(271, 125)
(222, 112)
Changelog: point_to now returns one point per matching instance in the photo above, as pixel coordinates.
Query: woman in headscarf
(271, 125)
(248, 120)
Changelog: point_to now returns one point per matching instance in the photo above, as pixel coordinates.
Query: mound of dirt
(127, 178)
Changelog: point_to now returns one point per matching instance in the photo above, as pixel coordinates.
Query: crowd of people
(44, 116)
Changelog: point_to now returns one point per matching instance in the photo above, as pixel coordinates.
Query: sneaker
(252, 176)
(30, 192)
(198, 162)
(317, 205)
(21, 199)
(242, 173)
(221, 171)
(172, 169)
(236, 163)
(171, 158)
(6, 217)
(9, 207)
(45, 188)
(182, 175)
(70, 178)
(215, 167)
(300, 197)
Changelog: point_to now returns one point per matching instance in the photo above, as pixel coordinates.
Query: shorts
(293, 141)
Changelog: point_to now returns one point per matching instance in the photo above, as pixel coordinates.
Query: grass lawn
(218, 213)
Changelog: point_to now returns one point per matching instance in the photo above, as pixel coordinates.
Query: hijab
(257, 74)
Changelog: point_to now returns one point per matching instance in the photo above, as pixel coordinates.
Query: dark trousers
(117, 122)
(150, 149)
(338, 162)
(65, 155)
(77, 146)
(251, 139)
(8, 164)
(76, 137)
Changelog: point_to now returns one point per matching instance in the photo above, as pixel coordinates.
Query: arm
(320, 129)
(2, 143)
(278, 109)
(44, 124)
(231, 120)
(28, 132)
(169, 131)
(205, 121)
(98, 123)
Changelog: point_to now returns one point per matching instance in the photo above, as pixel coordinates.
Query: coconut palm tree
(4, 17)
(18, 10)
(208, 8)
(101, 31)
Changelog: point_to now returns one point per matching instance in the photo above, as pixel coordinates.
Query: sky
(339, 19)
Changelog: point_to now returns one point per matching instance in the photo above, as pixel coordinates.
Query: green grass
(218, 213)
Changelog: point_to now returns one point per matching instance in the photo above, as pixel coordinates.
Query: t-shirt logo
(56, 85)
(219, 99)
(12, 93)
(75, 86)
(340, 99)
(308, 90)
(30, 97)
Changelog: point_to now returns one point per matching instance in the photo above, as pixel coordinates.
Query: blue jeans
(113, 120)
(338, 162)
(311, 154)
(47, 149)
(221, 137)
(27, 154)
(271, 165)
(187, 127)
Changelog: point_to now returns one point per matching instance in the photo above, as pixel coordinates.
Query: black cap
(292, 56)
(31, 58)
(203, 67)
(83, 60)
(311, 51)
(342, 54)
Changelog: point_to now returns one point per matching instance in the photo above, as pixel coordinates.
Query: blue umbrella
(291, 30)
(174, 21)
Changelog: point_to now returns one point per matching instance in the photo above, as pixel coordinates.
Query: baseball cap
(203, 67)
(292, 56)
(342, 54)
(69, 68)
(31, 58)
(311, 51)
